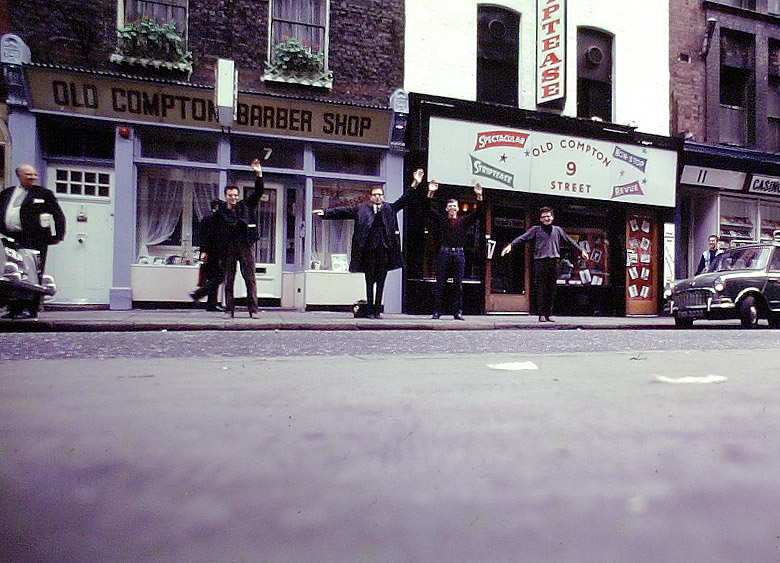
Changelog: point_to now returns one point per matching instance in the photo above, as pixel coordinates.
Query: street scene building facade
(725, 99)
(536, 102)
(137, 135)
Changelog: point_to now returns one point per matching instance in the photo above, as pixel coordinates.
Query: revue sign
(550, 51)
(464, 153)
(131, 101)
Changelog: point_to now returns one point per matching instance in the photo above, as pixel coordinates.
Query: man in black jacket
(238, 222)
(31, 215)
(376, 240)
(211, 256)
(453, 230)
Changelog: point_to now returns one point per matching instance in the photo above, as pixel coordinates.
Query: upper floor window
(298, 42)
(498, 50)
(594, 74)
(736, 123)
(773, 7)
(162, 11)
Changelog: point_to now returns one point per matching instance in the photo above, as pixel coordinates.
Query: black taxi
(742, 283)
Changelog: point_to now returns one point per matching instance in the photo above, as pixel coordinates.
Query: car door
(772, 289)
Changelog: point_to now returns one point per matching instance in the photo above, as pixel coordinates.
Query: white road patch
(711, 378)
(514, 366)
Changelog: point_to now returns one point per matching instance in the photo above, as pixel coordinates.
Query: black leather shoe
(549, 320)
(458, 317)
(435, 316)
(542, 319)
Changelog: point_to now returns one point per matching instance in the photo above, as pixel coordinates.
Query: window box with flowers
(148, 44)
(299, 64)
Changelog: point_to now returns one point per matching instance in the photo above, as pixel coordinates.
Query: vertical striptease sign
(550, 51)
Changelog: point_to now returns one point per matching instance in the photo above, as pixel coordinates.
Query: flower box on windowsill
(319, 79)
(151, 63)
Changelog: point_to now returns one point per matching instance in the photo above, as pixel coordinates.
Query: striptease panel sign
(550, 51)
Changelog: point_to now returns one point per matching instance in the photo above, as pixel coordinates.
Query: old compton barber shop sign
(177, 105)
(464, 153)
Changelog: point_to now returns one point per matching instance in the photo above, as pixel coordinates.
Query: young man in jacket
(31, 215)
(238, 223)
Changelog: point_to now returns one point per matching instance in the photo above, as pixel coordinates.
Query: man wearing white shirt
(31, 215)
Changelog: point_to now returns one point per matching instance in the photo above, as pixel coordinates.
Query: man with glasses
(376, 240)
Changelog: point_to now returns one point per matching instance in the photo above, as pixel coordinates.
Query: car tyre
(748, 312)
(680, 322)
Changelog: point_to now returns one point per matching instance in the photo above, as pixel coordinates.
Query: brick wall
(687, 98)
(365, 53)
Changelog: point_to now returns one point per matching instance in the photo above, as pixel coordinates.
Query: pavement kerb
(271, 319)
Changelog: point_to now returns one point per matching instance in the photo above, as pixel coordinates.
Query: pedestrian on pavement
(547, 240)
(31, 215)
(212, 258)
(708, 256)
(376, 240)
(238, 224)
(452, 229)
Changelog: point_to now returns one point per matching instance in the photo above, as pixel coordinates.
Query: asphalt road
(200, 344)
(597, 446)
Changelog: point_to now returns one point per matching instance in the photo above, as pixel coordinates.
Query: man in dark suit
(211, 256)
(238, 223)
(376, 240)
(31, 215)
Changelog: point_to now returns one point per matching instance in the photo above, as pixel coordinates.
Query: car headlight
(668, 291)
(718, 286)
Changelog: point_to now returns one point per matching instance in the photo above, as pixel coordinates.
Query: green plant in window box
(146, 42)
(290, 56)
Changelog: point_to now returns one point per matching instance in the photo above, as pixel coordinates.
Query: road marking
(692, 379)
(514, 366)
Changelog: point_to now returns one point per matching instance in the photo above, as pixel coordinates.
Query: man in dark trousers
(547, 240)
(238, 223)
(31, 215)
(211, 256)
(452, 256)
(376, 240)
(708, 256)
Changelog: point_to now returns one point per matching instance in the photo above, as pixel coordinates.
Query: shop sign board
(523, 160)
(767, 185)
(550, 51)
(171, 104)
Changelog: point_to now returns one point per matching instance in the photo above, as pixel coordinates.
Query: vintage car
(19, 277)
(742, 283)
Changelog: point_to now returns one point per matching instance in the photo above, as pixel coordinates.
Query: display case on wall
(770, 221)
(738, 220)
(575, 270)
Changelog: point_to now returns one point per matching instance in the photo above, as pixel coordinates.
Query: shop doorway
(269, 249)
(507, 279)
(82, 263)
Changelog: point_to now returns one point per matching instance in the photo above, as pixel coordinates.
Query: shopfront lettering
(571, 187)
(587, 148)
(627, 189)
(479, 168)
(551, 50)
(765, 185)
(274, 117)
(70, 94)
(343, 125)
(138, 102)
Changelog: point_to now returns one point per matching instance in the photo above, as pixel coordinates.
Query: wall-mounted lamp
(124, 131)
(705, 46)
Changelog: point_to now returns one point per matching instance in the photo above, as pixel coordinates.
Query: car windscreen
(745, 258)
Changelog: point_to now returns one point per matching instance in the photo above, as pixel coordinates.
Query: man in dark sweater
(708, 256)
(547, 240)
(452, 257)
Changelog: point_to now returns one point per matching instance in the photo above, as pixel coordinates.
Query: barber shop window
(331, 243)
(172, 202)
(347, 161)
(170, 144)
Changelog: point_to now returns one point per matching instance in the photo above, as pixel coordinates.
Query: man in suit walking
(31, 215)
(376, 240)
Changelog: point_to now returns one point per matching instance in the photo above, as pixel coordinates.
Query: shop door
(82, 263)
(506, 279)
(268, 250)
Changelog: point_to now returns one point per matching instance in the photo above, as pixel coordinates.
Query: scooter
(20, 284)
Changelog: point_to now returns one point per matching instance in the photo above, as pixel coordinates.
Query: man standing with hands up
(547, 240)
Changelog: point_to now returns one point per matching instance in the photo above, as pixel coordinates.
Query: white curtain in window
(202, 196)
(163, 209)
(266, 218)
(303, 20)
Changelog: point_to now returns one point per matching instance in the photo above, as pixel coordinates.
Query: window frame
(121, 16)
(325, 32)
